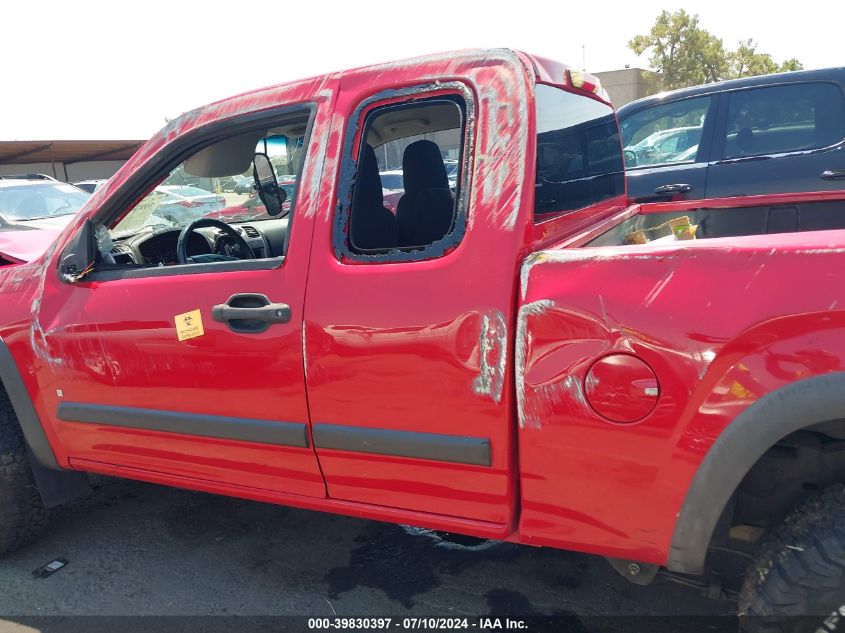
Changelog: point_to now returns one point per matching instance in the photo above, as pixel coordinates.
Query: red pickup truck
(524, 356)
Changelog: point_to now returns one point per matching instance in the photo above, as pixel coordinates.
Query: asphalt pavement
(135, 549)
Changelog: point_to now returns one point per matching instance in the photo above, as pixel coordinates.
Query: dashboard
(157, 247)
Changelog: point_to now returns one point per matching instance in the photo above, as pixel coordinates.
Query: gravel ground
(138, 549)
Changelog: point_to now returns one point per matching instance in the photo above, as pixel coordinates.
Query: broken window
(407, 175)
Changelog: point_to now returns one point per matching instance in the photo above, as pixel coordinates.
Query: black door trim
(443, 448)
(216, 426)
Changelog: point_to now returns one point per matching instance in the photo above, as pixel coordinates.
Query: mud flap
(58, 486)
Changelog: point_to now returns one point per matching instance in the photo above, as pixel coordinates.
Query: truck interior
(416, 138)
(233, 225)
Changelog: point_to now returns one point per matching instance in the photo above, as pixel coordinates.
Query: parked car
(738, 128)
(178, 204)
(452, 169)
(253, 208)
(663, 146)
(231, 183)
(530, 358)
(90, 185)
(391, 180)
(244, 185)
(36, 201)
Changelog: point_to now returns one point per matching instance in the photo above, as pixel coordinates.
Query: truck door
(666, 148)
(189, 364)
(777, 139)
(409, 311)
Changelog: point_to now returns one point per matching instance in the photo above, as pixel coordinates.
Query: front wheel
(22, 513)
(796, 584)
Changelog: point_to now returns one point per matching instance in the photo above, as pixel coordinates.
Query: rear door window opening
(407, 190)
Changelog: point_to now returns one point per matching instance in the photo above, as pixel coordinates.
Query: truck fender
(771, 418)
(55, 485)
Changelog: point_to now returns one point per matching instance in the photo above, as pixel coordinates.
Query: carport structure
(66, 160)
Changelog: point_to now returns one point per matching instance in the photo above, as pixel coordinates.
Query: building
(70, 161)
(627, 84)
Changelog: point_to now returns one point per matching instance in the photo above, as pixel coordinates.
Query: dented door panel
(407, 359)
(709, 318)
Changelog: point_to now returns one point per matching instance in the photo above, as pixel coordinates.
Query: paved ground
(137, 549)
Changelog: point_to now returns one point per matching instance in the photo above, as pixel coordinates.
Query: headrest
(423, 168)
(368, 191)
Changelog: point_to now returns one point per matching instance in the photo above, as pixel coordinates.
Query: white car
(664, 146)
(181, 204)
(90, 185)
(38, 202)
(391, 180)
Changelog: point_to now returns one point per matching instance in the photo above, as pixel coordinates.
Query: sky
(86, 69)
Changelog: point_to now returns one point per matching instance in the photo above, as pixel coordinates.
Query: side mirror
(267, 186)
(80, 254)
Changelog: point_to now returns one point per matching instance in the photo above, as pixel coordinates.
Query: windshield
(36, 201)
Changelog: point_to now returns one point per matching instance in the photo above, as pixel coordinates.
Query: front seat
(425, 211)
(371, 224)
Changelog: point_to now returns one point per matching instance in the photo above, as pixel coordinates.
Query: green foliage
(745, 61)
(684, 54)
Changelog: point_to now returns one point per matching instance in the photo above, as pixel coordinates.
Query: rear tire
(800, 571)
(22, 513)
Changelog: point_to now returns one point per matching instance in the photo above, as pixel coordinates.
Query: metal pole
(52, 162)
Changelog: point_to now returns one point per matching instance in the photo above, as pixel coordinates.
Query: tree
(684, 54)
(745, 61)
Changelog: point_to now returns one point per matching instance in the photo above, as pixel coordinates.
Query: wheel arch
(12, 382)
(55, 485)
(743, 442)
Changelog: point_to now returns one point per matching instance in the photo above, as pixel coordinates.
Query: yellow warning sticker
(189, 325)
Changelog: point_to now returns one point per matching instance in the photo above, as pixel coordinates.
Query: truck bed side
(721, 322)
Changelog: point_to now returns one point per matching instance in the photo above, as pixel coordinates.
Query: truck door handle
(833, 174)
(250, 313)
(676, 188)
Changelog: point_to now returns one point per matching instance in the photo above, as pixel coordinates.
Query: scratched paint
(603, 298)
(522, 340)
(493, 346)
(304, 352)
(525, 271)
(658, 288)
(316, 161)
(37, 336)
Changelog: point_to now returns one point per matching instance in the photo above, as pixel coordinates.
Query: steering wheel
(182, 243)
